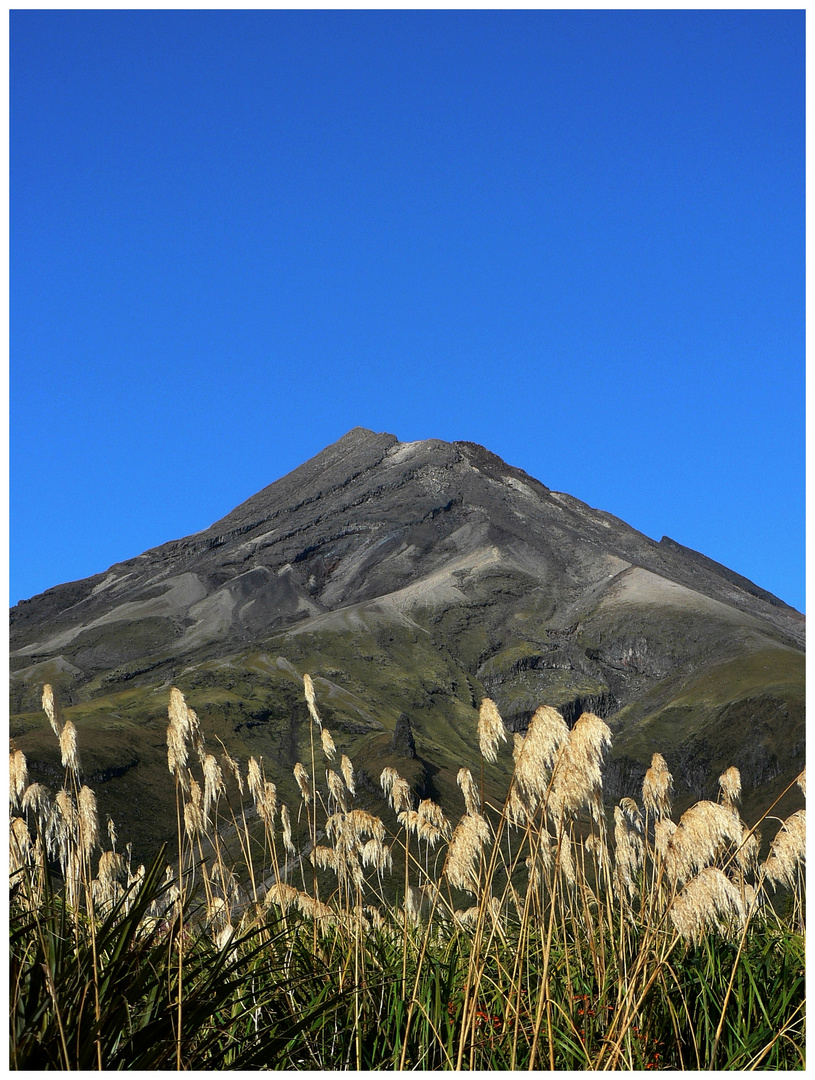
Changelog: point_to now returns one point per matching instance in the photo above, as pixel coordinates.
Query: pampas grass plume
(490, 730)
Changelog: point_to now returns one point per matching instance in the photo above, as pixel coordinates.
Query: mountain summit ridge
(417, 577)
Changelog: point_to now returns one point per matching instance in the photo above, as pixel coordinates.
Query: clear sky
(574, 237)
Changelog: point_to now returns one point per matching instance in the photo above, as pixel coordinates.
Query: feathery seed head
(267, 804)
(286, 823)
(517, 745)
(628, 854)
(748, 851)
(699, 838)
(324, 857)
(632, 812)
(19, 844)
(577, 780)
(88, 819)
(67, 746)
(490, 730)
(708, 902)
(410, 820)
(233, 769)
(301, 776)
(178, 731)
(472, 801)
(433, 825)
(787, 850)
(197, 735)
(347, 770)
(801, 781)
(111, 867)
(387, 779)
(664, 829)
(255, 779)
(336, 788)
(329, 749)
(397, 790)
(656, 788)
(37, 798)
(213, 782)
(18, 775)
(360, 823)
(376, 855)
(52, 709)
(311, 700)
(546, 734)
(730, 785)
(466, 845)
(282, 895)
(194, 821)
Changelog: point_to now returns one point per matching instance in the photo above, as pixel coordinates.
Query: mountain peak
(417, 578)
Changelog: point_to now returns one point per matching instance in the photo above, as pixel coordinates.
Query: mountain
(411, 580)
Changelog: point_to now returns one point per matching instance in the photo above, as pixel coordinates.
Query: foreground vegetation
(537, 934)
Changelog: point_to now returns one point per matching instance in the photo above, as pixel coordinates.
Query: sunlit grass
(550, 932)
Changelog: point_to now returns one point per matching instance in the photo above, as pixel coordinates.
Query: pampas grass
(546, 932)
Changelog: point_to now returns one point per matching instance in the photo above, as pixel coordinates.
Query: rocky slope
(414, 578)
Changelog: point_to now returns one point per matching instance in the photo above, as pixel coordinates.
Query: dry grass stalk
(490, 730)
(702, 834)
(329, 749)
(730, 785)
(311, 700)
(708, 902)
(657, 787)
(539, 865)
(787, 850)
(52, 709)
(472, 800)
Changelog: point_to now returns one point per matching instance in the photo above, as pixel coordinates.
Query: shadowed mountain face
(416, 578)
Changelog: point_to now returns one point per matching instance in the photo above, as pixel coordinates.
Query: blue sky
(574, 237)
